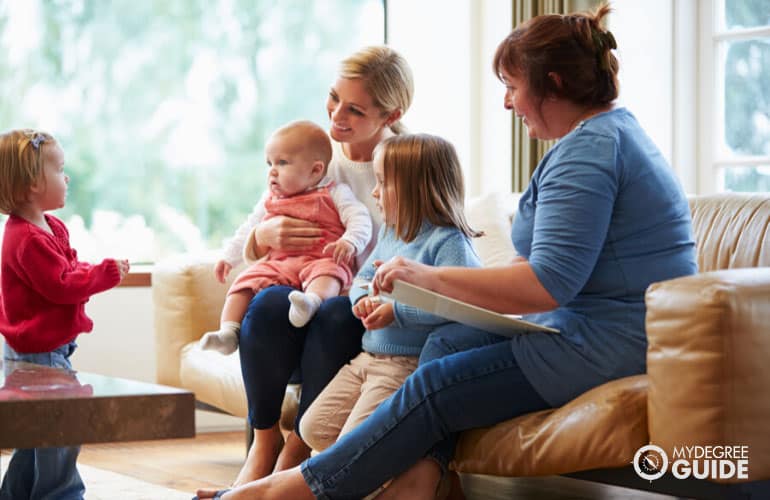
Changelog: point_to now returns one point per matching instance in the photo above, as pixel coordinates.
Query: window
(163, 107)
(735, 95)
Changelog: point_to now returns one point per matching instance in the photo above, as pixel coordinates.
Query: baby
(298, 155)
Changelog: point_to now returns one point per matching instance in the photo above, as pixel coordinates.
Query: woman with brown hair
(602, 218)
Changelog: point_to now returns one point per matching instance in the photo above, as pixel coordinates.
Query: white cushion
(493, 213)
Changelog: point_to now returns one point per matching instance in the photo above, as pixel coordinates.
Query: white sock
(224, 340)
(303, 307)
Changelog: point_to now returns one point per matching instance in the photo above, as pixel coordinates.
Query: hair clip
(37, 140)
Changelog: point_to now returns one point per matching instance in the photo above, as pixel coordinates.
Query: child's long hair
(428, 183)
(21, 164)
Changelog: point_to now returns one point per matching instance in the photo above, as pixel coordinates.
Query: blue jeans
(272, 350)
(43, 473)
(469, 379)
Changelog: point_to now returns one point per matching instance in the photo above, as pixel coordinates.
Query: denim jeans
(469, 378)
(43, 473)
(272, 350)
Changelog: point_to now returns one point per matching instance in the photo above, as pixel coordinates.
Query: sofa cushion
(216, 380)
(731, 230)
(492, 214)
(601, 428)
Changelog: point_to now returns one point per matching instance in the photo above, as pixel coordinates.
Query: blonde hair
(387, 78)
(428, 182)
(311, 137)
(21, 165)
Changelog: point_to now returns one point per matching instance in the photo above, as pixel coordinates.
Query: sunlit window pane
(162, 107)
(745, 179)
(746, 13)
(747, 99)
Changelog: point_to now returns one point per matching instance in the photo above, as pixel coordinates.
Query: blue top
(604, 217)
(434, 245)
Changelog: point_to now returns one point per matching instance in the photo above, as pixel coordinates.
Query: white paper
(462, 312)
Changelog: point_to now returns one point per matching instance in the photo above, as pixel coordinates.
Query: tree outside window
(163, 107)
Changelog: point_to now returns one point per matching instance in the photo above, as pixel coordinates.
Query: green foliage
(168, 102)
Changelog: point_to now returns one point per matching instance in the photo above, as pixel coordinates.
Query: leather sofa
(708, 361)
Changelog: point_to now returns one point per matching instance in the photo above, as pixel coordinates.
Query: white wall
(456, 94)
(644, 34)
(122, 344)
(658, 68)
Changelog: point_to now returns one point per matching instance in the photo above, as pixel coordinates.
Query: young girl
(298, 155)
(43, 291)
(419, 193)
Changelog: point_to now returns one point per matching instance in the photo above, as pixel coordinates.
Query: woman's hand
(373, 313)
(399, 268)
(221, 269)
(287, 233)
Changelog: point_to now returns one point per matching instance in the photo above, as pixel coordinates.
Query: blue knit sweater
(434, 245)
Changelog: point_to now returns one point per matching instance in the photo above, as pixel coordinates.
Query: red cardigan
(43, 287)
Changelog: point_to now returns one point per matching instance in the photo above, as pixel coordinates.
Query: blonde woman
(371, 93)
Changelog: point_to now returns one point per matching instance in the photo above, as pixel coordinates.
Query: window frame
(710, 110)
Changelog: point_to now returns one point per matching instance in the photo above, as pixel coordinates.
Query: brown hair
(21, 165)
(387, 78)
(313, 139)
(428, 183)
(573, 46)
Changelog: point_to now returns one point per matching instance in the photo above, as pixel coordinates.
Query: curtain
(528, 152)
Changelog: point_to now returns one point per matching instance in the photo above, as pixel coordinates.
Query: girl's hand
(381, 317)
(366, 306)
(399, 268)
(123, 267)
(287, 233)
(341, 250)
(373, 313)
(221, 269)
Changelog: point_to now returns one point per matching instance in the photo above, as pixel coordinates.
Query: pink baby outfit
(296, 269)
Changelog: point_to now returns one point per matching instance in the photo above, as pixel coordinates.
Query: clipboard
(462, 312)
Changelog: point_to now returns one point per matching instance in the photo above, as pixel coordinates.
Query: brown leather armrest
(708, 362)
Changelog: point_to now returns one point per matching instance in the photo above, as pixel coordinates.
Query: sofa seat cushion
(215, 379)
(602, 428)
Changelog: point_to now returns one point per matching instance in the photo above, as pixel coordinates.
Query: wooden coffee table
(42, 406)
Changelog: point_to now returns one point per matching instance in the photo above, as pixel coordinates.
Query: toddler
(419, 192)
(298, 155)
(43, 292)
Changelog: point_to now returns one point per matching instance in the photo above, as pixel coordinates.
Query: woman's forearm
(513, 289)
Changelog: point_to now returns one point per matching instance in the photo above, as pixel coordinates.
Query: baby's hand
(341, 250)
(122, 267)
(221, 269)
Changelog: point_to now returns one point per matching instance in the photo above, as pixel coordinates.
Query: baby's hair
(21, 165)
(312, 137)
(428, 183)
(387, 77)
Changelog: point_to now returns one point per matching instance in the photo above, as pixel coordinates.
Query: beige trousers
(352, 395)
